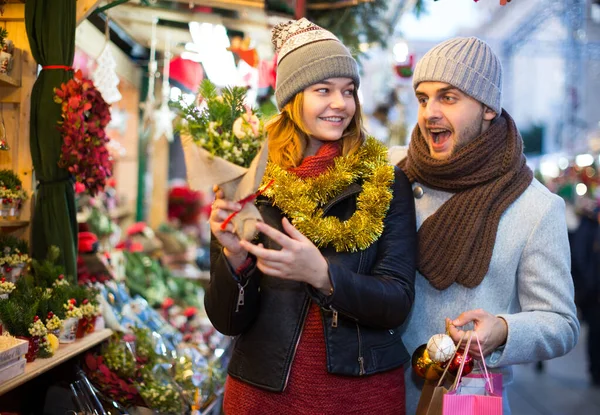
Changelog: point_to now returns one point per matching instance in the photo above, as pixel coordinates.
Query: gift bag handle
(452, 358)
(462, 364)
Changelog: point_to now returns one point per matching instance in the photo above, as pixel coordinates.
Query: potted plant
(6, 287)
(12, 195)
(13, 257)
(18, 314)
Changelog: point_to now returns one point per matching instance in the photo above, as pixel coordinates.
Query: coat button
(418, 192)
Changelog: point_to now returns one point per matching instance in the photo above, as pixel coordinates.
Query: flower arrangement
(88, 309)
(110, 382)
(13, 255)
(160, 394)
(60, 281)
(46, 350)
(185, 205)
(6, 287)
(224, 143)
(53, 322)
(11, 188)
(71, 309)
(37, 328)
(222, 124)
(85, 116)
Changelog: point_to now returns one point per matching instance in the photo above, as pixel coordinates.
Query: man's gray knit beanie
(308, 54)
(468, 64)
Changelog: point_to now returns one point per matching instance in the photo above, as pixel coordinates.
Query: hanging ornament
(241, 47)
(105, 76)
(456, 361)
(423, 366)
(440, 348)
(148, 106)
(164, 116)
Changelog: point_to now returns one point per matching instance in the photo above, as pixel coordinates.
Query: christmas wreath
(84, 118)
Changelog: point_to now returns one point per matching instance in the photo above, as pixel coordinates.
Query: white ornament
(163, 122)
(440, 348)
(105, 76)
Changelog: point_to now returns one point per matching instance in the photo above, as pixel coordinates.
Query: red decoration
(185, 205)
(85, 116)
(405, 70)
(186, 74)
(455, 363)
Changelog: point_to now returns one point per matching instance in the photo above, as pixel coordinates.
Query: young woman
(317, 299)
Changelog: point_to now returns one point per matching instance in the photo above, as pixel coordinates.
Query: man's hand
(492, 331)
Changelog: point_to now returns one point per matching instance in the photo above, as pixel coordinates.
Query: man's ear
(488, 113)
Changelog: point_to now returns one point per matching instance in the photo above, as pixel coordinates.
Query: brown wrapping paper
(204, 170)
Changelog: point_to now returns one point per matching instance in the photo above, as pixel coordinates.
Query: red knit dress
(311, 389)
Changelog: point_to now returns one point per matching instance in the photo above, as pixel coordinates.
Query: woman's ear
(488, 113)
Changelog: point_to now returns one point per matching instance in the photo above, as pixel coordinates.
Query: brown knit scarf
(487, 175)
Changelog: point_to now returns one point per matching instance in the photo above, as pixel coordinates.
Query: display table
(64, 353)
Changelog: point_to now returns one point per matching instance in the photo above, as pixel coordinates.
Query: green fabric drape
(51, 31)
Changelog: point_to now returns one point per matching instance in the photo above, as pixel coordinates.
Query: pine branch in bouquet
(47, 271)
(223, 124)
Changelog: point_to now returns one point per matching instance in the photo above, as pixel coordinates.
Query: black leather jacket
(373, 293)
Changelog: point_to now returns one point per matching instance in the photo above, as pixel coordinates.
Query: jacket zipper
(361, 360)
(241, 295)
(289, 370)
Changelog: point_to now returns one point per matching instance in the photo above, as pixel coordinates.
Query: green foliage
(55, 301)
(355, 25)
(47, 271)
(9, 241)
(82, 292)
(213, 126)
(119, 357)
(144, 345)
(17, 312)
(8, 177)
(3, 35)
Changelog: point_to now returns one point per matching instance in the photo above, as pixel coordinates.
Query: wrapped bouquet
(224, 144)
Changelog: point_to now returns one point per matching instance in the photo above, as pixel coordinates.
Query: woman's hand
(299, 259)
(221, 209)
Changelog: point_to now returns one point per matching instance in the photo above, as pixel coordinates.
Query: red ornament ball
(456, 361)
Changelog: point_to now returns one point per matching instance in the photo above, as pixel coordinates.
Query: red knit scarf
(313, 166)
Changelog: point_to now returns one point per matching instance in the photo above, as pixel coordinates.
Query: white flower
(226, 143)
(246, 125)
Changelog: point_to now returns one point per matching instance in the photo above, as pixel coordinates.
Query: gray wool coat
(528, 283)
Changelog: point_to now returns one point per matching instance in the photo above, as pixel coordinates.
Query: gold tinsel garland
(302, 200)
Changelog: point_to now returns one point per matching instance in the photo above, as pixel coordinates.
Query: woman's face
(328, 108)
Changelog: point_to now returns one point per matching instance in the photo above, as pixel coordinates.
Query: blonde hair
(288, 136)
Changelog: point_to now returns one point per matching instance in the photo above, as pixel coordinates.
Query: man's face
(449, 119)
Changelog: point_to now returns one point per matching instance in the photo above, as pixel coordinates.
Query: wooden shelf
(6, 80)
(12, 225)
(64, 353)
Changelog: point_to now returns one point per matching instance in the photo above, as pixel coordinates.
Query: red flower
(190, 312)
(85, 114)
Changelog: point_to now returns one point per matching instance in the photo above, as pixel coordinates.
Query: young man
(493, 253)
